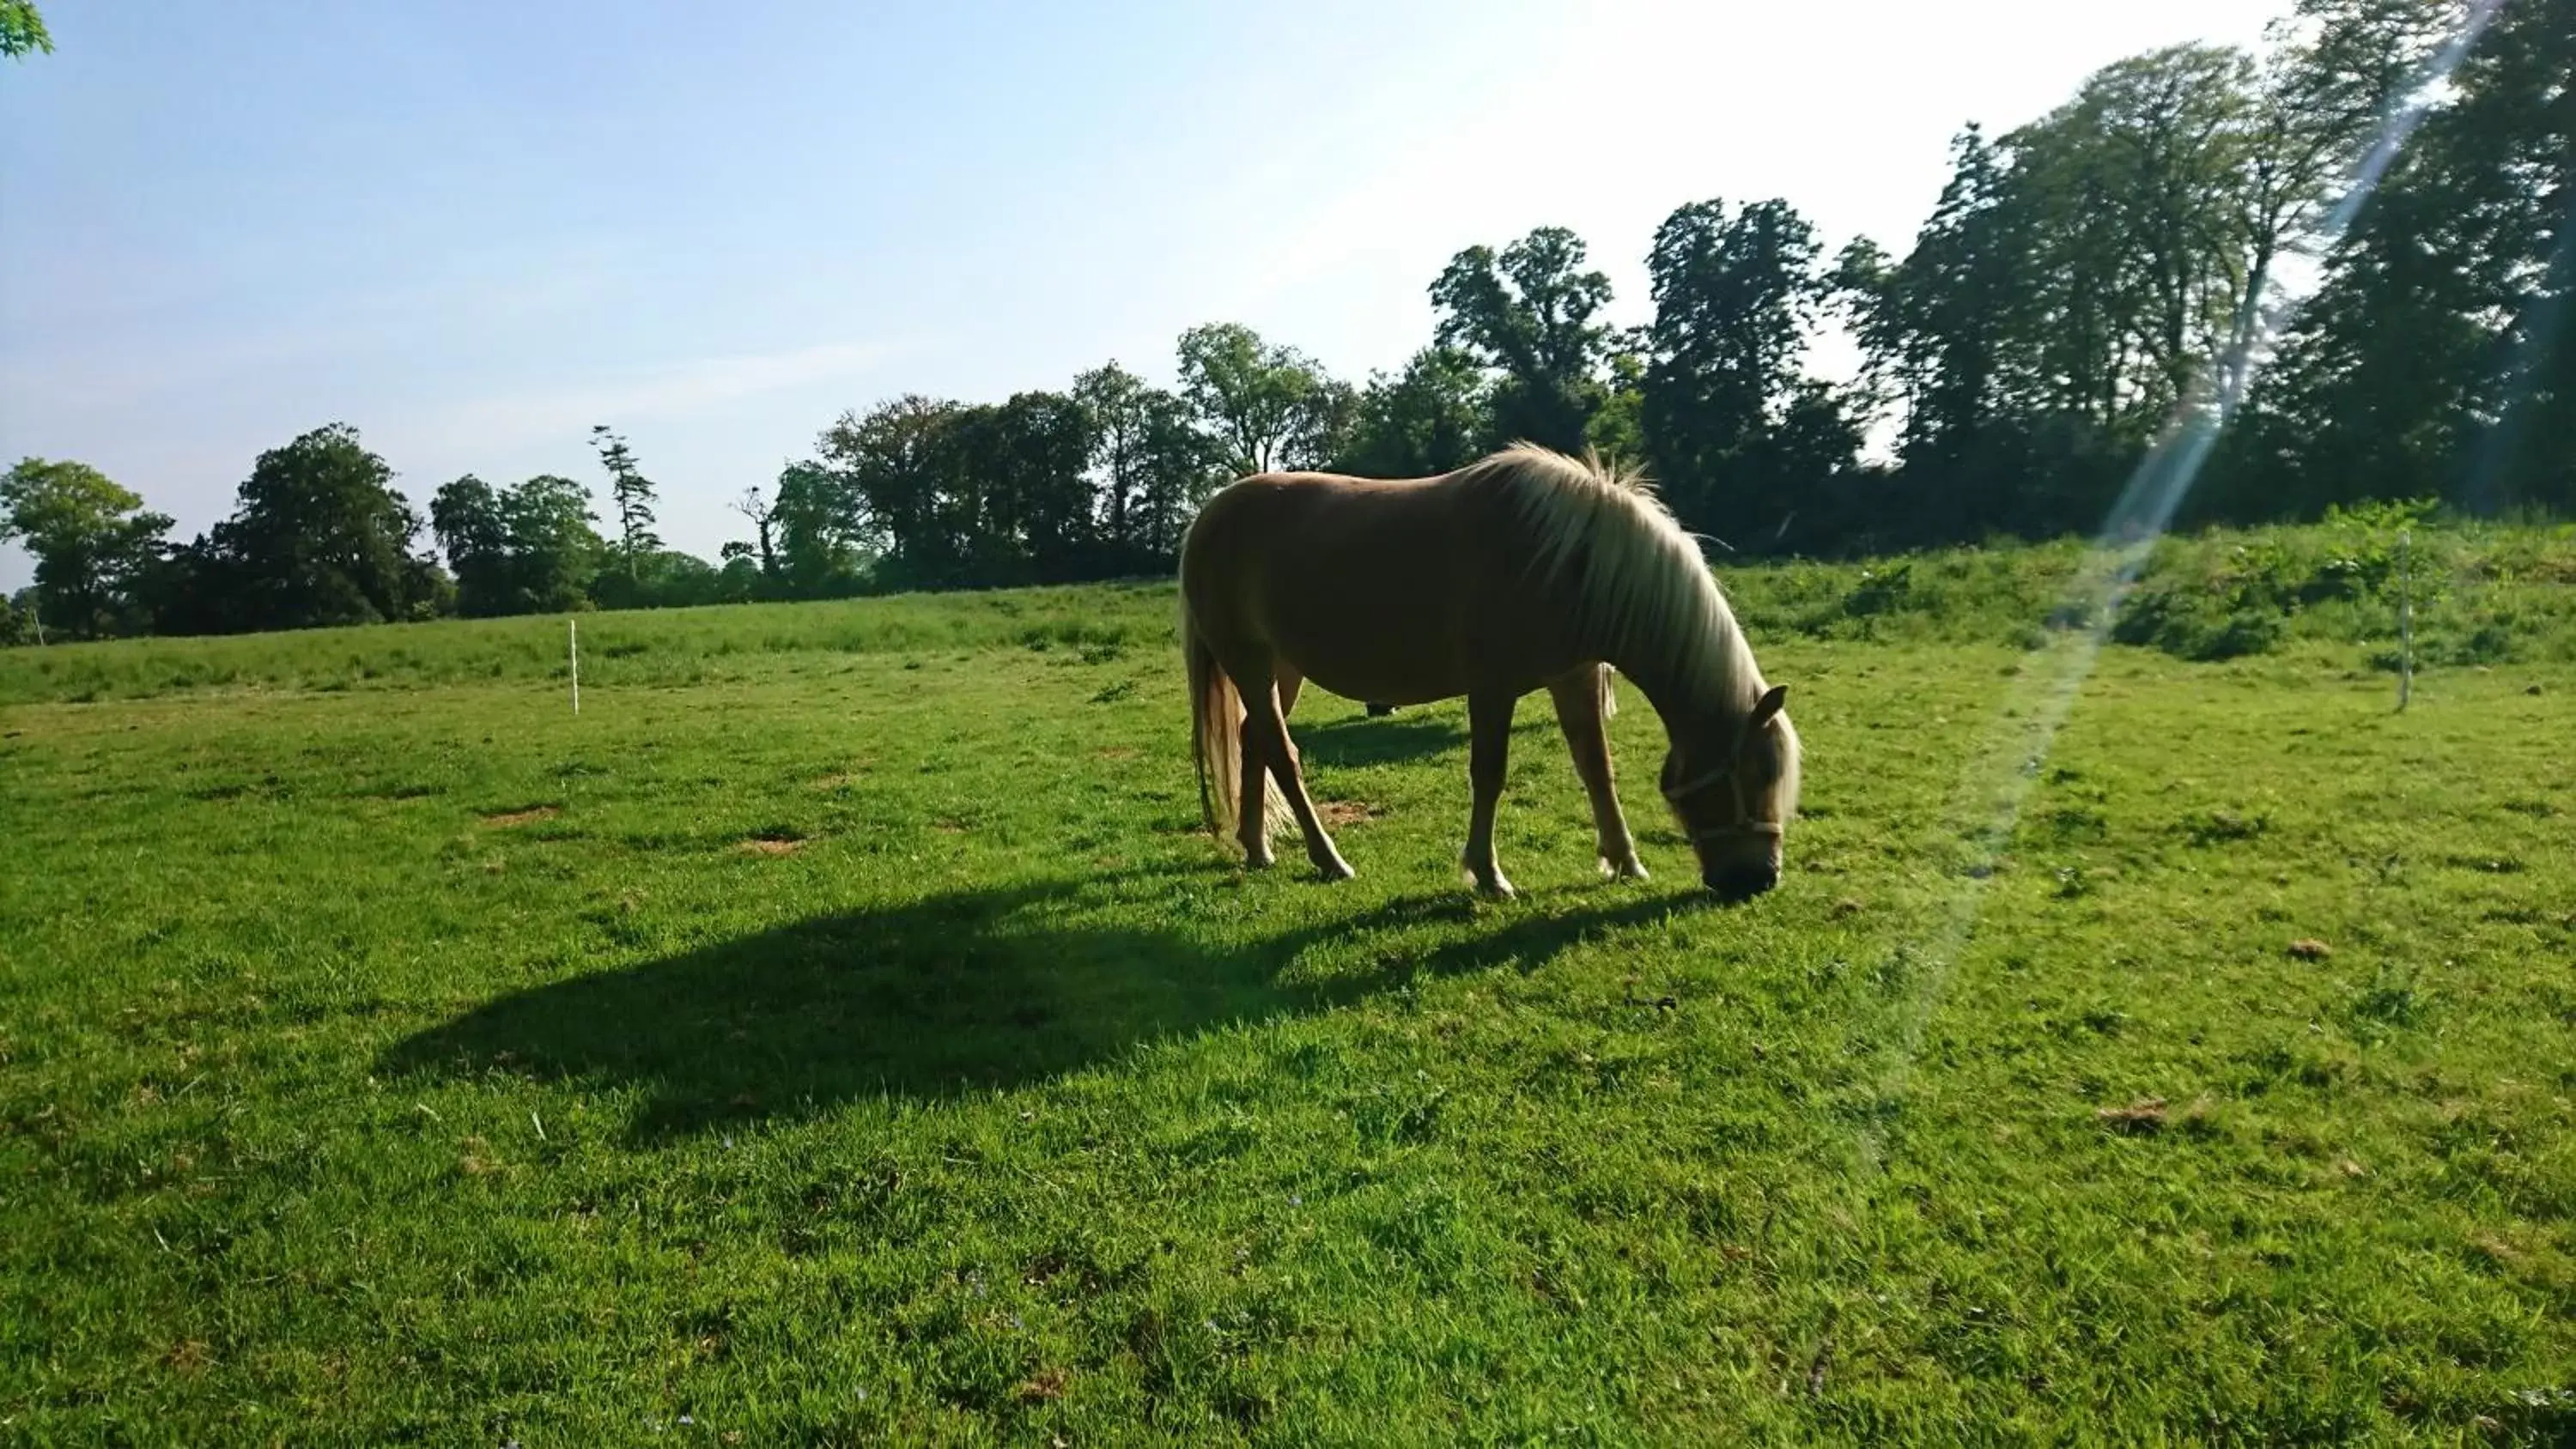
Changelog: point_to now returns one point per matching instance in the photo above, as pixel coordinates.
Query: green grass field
(840, 1033)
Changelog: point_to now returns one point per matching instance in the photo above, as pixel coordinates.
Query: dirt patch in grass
(773, 844)
(1043, 1387)
(1345, 812)
(2147, 1114)
(528, 816)
(842, 779)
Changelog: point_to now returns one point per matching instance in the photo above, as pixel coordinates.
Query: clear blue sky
(474, 229)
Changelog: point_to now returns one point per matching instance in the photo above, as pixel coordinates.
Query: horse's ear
(1767, 707)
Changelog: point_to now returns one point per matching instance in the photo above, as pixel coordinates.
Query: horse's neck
(1687, 690)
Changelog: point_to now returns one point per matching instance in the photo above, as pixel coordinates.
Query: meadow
(840, 1032)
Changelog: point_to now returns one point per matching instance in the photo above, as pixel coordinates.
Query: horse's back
(1290, 497)
(1371, 587)
(1307, 529)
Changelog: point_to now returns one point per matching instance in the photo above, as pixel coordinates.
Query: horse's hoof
(1629, 869)
(1499, 888)
(1333, 870)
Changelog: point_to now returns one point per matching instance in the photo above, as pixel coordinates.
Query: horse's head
(1733, 784)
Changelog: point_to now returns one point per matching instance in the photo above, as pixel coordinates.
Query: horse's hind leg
(1252, 787)
(1489, 741)
(1580, 699)
(1266, 730)
(1252, 796)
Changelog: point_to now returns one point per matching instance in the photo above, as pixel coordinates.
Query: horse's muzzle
(1742, 882)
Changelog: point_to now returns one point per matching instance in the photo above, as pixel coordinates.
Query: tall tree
(1177, 467)
(1255, 399)
(632, 494)
(466, 517)
(1050, 446)
(2128, 204)
(1013, 475)
(2076, 283)
(92, 540)
(1115, 401)
(753, 506)
(1738, 435)
(894, 463)
(522, 550)
(1324, 426)
(319, 537)
(823, 531)
(554, 550)
(1938, 331)
(1435, 415)
(1531, 313)
(1617, 429)
(2332, 69)
(2433, 360)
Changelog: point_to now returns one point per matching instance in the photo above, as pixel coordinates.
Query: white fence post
(2405, 621)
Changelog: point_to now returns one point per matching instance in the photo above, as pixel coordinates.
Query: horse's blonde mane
(1644, 593)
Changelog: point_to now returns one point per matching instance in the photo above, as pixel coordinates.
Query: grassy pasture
(838, 1034)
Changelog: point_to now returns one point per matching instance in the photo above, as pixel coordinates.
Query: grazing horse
(1523, 570)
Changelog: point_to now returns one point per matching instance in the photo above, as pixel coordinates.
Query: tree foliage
(93, 542)
(523, 550)
(1532, 314)
(2436, 359)
(824, 531)
(1267, 406)
(631, 494)
(1433, 416)
(886, 469)
(318, 537)
(22, 30)
(1738, 435)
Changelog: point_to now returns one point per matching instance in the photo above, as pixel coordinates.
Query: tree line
(2081, 277)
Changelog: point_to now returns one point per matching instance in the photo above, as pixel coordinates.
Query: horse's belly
(1366, 643)
(1390, 687)
(1385, 647)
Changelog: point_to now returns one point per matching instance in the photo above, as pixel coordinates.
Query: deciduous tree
(1531, 313)
(93, 543)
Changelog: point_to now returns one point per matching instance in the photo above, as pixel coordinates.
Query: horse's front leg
(1581, 706)
(1489, 742)
(1266, 728)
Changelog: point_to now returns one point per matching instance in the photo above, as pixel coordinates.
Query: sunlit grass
(839, 1033)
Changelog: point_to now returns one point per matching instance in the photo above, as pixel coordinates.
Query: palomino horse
(1524, 570)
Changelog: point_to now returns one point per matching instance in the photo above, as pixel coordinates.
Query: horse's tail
(1216, 740)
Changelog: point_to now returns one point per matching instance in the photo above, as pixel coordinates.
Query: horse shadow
(962, 992)
(1357, 740)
